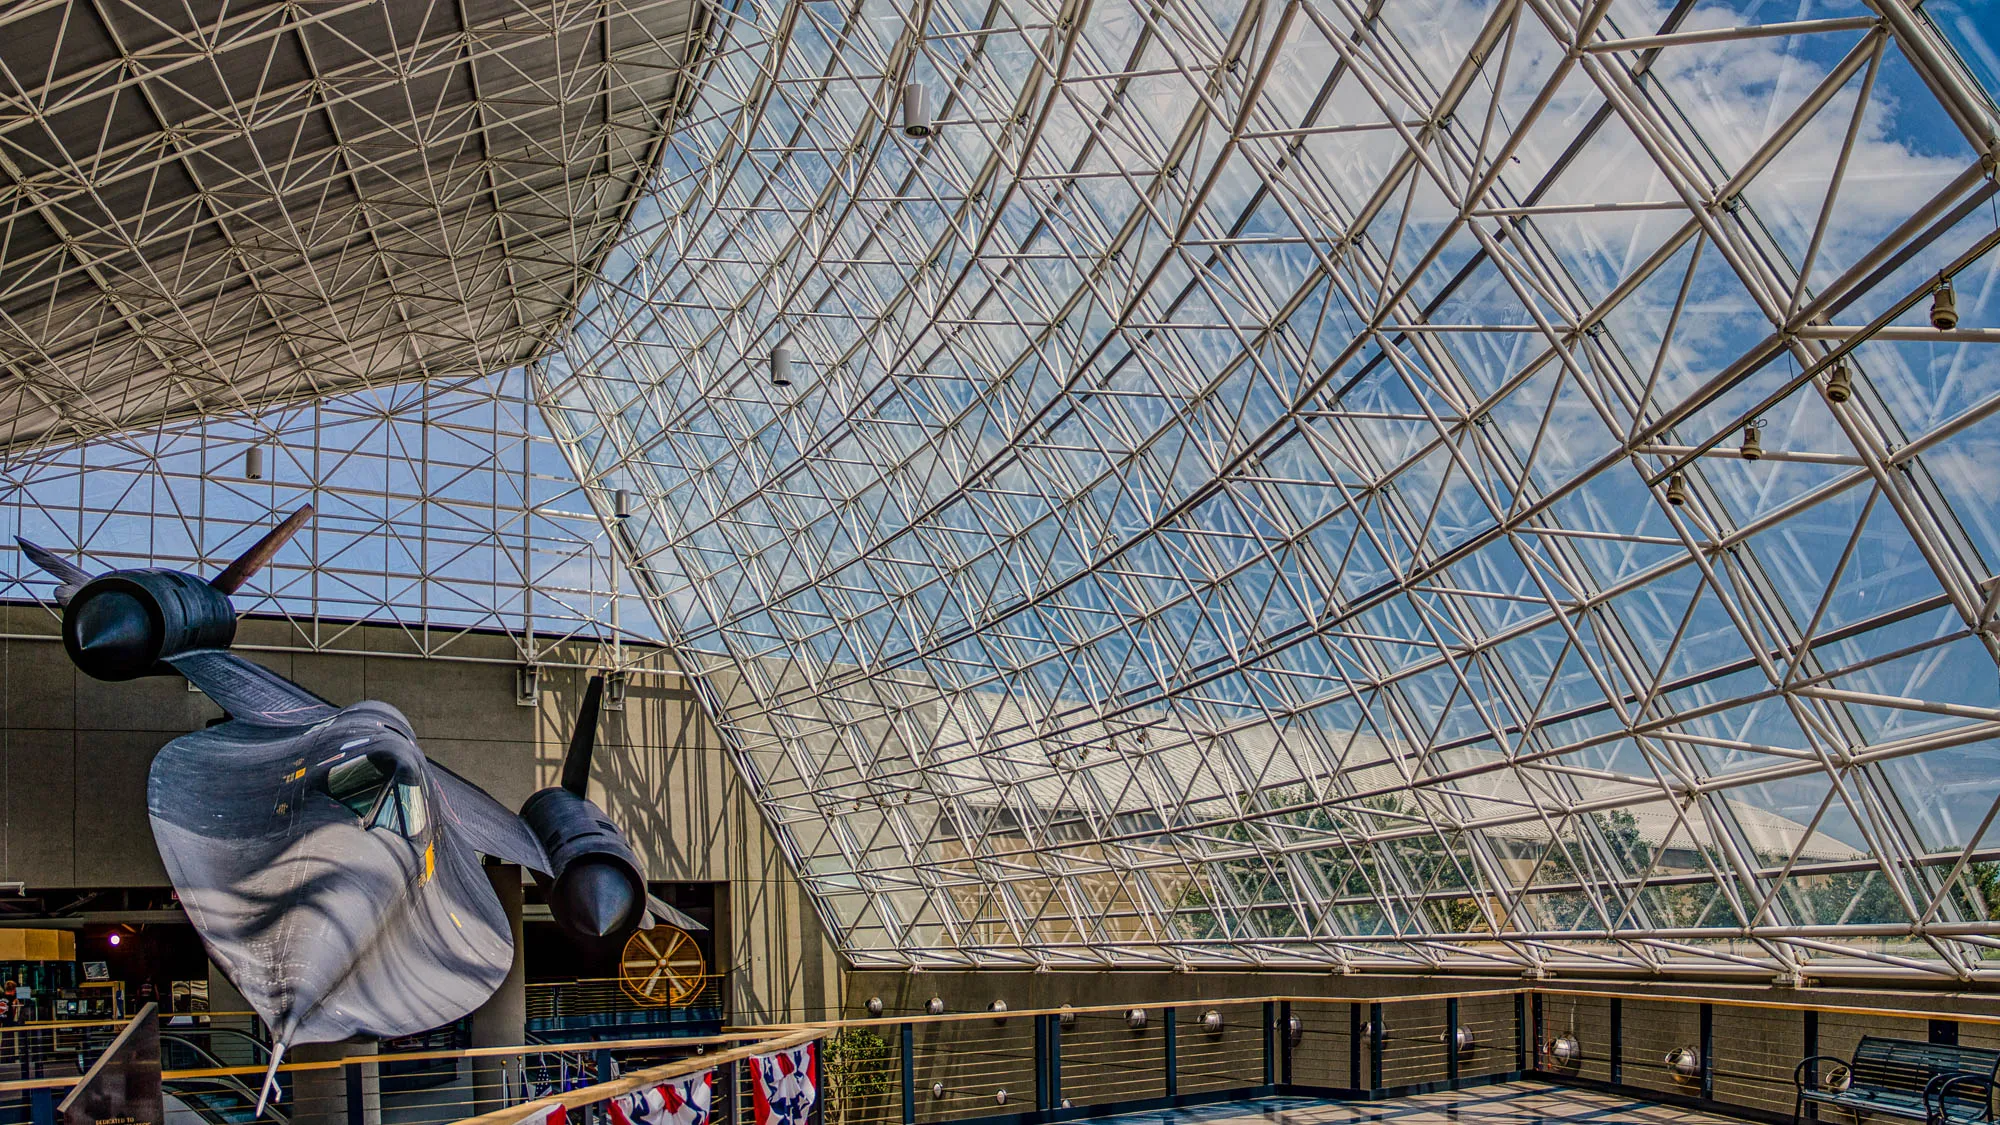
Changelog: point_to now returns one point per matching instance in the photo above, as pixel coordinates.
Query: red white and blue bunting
(786, 1084)
(554, 1113)
(677, 1101)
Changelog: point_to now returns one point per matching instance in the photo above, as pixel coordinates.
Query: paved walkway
(1513, 1103)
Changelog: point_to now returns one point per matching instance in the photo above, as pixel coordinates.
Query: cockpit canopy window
(358, 784)
(373, 791)
(406, 812)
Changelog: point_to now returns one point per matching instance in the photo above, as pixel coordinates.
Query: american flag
(786, 1085)
(678, 1101)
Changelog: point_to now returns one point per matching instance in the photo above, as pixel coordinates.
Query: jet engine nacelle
(595, 888)
(122, 625)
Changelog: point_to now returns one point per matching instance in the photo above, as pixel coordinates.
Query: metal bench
(1931, 1082)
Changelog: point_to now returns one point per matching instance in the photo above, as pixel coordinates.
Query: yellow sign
(37, 945)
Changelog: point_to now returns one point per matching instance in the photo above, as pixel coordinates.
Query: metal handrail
(612, 981)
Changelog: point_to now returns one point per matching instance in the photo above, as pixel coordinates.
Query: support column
(503, 1020)
(229, 1050)
(327, 1096)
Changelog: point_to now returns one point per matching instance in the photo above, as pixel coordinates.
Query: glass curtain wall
(444, 508)
(1341, 483)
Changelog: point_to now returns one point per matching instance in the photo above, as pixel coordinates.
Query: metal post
(1172, 1061)
(735, 1093)
(1812, 1048)
(1354, 1046)
(1520, 1033)
(42, 1106)
(1707, 1051)
(909, 1074)
(1284, 1042)
(1375, 1038)
(1041, 1065)
(1270, 1053)
(1617, 1040)
(357, 1098)
(1538, 1032)
(1055, 1062)
(1451, 1040)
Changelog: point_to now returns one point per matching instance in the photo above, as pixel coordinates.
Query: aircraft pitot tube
(595, 887)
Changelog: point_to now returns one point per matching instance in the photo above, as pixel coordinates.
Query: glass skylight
(444, 508)
(1263, 483)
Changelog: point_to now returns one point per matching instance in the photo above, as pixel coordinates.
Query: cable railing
(1057, 1064)
(601, 1007)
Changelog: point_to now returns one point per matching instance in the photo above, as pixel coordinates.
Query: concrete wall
(74, 754)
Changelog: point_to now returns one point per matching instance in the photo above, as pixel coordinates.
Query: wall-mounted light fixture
(1685, 1063)
(934, 1006)
(1136, 1019)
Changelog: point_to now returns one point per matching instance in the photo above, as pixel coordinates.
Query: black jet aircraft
(330, 868)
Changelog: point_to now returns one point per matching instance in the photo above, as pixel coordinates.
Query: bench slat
(1890, 1076)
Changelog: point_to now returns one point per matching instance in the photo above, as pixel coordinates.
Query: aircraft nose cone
(114, 633)
(597, 899)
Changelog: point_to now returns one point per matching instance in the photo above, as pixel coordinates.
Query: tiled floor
(1516, 1103)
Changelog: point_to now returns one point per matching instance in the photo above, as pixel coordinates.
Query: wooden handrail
(1777, 1005)
(166, 1022)
(756, 1036)
(1088, 1009)
(741, 1042)
(640, 1079)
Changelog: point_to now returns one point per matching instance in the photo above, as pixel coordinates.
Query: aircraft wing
(670, 916)
(329, 927)
(251, 692)
(69, 577)
(486, 825)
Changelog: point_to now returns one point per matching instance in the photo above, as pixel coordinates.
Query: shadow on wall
(662, 771)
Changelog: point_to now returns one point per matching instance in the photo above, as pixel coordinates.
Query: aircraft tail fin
(69, 576)
(261, 552)
(270, 1087)
(576, 764)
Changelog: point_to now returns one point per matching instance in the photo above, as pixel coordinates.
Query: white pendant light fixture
(916, 110)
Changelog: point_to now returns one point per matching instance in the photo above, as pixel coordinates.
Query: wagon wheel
(662, 965)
